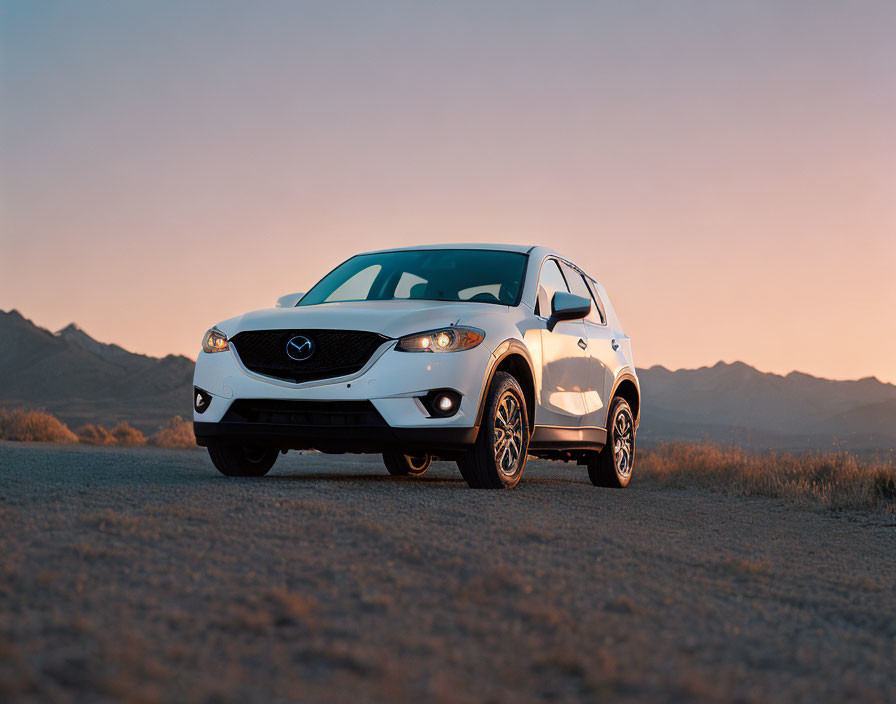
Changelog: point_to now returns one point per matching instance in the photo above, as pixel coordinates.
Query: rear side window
(599, 306)
(550, 280)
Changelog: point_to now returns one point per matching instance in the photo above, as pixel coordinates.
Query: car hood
(389, 318)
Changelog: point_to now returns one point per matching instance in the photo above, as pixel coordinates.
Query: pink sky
(727, 170)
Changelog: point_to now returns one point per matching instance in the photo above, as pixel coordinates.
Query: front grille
(315, 414)
(336, 352)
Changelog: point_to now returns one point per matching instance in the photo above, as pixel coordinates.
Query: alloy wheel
(418, 464)
(623, 443)
(508, 434)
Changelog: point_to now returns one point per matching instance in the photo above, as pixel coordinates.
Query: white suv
(483, 354)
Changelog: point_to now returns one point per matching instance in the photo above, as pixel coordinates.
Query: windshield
(479, 275)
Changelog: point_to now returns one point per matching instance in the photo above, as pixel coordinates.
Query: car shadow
(428, 482)
(350, 477)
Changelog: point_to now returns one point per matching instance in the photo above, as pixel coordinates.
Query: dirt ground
(144, 575)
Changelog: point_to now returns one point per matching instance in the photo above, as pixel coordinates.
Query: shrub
(177, 432)
(837, 480)
(35, 426)
(91, 434)
(128, 436)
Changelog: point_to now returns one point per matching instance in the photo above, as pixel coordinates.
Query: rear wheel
(497, 459)
(400, 465)
(612, 466)
(237, 459)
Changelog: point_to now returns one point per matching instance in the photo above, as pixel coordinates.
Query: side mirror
(290, 300)
(568, 306)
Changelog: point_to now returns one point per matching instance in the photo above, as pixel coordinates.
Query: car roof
(535, 251)
(522, 248)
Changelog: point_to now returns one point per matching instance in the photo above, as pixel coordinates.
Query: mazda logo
(299, 348)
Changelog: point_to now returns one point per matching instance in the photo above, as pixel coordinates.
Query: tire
(612, 466)
(400, 465)
(234, 459)
(492, 463)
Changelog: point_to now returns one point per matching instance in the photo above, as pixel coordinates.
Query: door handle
(615, 344)
(582, 343)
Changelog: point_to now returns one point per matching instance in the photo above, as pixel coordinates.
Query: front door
(600, 353)
(564, 359)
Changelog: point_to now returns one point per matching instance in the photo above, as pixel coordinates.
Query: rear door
(565, 363)
(599, 351)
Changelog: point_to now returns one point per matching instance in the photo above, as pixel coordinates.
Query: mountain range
(735, 404)
(81, 380)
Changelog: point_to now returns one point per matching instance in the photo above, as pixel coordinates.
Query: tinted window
(356, 286)
(549, 282)
(578, 286)
(407, 282)
(598, 305)
(483, 276)
(473, 291)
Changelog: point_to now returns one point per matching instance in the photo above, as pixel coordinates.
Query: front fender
(504, 350)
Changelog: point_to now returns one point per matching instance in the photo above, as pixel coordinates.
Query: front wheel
(612, 466)
(497, 459)
(236, 459)
(400, 465)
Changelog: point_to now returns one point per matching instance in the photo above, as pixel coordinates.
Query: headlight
(214, 341)
(442, 340)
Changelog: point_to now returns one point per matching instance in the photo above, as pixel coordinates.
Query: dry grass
(176, 433)
(127, 436)
(836, 480)
(91, 434)
(37, 426)
(34, 426)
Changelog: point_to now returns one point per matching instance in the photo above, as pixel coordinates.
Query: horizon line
(722, 362)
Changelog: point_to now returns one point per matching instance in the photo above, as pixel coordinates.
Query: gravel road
(144, 575)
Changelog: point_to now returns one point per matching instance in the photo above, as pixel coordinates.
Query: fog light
(441, 403)
(201, 399)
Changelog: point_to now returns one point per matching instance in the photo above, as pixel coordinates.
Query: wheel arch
(511, 356)
(627, 387)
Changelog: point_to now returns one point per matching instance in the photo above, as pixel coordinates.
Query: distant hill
(81, 380)
(737, 404)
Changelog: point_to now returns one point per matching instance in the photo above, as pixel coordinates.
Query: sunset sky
(726, 169)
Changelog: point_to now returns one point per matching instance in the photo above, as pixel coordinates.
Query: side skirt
(552, 437)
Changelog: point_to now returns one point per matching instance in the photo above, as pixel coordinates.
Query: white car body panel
(572, 386)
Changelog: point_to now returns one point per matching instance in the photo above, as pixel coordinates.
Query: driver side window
(577, 285)
(549, 282)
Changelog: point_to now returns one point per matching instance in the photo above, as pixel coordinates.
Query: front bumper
(339, 440)
(391, 383)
